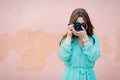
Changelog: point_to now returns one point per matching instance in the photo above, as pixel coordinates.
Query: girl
(79, 50)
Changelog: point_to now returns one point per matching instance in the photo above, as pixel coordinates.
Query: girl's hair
(80, 12)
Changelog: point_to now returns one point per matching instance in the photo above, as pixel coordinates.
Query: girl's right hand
(69, 34)
(69, 30)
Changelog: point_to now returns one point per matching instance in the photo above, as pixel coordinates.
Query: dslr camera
(77, 26)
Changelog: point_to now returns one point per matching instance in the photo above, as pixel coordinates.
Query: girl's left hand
(82, 34)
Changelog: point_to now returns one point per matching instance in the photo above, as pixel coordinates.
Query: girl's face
(81, 20)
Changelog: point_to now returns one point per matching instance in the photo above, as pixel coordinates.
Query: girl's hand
(69, 34)
(69, 30)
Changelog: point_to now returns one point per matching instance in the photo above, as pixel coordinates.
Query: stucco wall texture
(30, 31)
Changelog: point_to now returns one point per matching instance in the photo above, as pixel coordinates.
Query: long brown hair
(80, 12)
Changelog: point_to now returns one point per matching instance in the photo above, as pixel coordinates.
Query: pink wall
(30, 31)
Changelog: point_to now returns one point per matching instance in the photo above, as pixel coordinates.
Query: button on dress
(79, 62)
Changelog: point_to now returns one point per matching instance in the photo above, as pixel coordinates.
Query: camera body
(77, 26)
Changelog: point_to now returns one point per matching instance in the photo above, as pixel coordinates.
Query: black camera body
(77, 26)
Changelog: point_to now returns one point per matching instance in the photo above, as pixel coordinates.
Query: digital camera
(77, 26)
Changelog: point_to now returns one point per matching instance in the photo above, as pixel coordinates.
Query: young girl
(80, 49)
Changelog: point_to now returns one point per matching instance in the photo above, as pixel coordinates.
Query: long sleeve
(65, 51)
(92, 51)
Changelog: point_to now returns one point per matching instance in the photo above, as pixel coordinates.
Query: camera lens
(77, 26)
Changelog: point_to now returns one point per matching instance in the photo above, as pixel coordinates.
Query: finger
(74, 30)
(83, 28)
(69, 29)
(79, 31)
(70, 26)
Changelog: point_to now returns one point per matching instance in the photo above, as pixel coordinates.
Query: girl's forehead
(80, 19)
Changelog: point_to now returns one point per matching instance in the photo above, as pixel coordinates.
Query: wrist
(68, 40)
(86, 42)
(85, 38)
(69, 36)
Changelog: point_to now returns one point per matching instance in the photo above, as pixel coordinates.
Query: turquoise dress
(79, 62)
